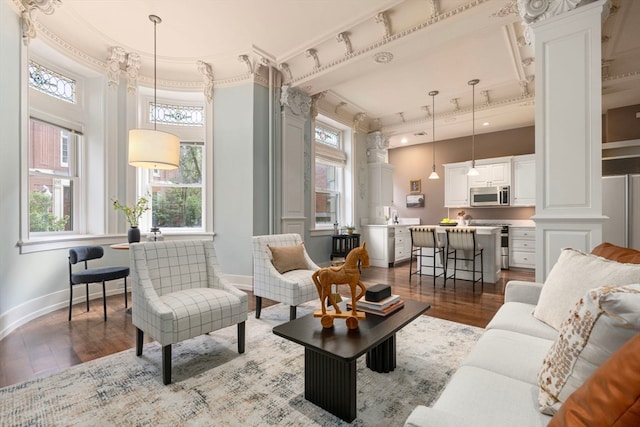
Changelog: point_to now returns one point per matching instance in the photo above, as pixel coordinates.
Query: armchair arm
(149, 312)
(423, 416)
(520, 291)
(225, 284)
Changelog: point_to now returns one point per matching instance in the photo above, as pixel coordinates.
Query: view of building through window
(329, 175)
(52, 174)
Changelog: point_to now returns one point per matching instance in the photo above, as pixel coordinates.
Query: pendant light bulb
(473, 171)
(432, 94)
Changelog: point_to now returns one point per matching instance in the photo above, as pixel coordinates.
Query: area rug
(213, 385)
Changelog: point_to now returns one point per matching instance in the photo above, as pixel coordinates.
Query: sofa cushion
(572, 276)
(287, 258)
(518, 317)
(487, 399)
(601, 322)
(610, 397)
(617, 253)
(511, 354)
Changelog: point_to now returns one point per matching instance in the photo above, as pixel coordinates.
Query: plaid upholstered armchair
(282, 271)
(179, 293)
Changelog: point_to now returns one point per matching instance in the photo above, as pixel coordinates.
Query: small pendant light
(473, 171)
(432, 94)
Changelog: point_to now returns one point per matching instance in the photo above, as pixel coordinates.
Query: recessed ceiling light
(485, 124)
(404, 140)
(383, 57)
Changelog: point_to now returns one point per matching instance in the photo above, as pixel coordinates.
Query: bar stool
(463, 241)
(426, 238)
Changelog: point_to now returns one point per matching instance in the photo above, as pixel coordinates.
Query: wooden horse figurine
(347, 274)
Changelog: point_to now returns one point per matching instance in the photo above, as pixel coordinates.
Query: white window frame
(338, 157)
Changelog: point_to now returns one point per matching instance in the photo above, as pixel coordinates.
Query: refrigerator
(621, 203)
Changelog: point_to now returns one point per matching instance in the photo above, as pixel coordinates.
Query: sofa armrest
(423, 416)
(520, 291)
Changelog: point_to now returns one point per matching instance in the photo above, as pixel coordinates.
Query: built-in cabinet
(517, 172)
(522, 247)
(380, 184)
(456, 188)
(491, 172)
(380, 241)
(402, 243)
(523, 191)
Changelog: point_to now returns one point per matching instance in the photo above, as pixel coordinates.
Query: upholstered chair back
(461, 238)
(425, 237)
(176, 265)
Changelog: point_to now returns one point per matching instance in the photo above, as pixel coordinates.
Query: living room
(241, 198)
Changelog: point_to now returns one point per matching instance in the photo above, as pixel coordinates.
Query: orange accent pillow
(610, 397)
(287, 258)
(617, 253)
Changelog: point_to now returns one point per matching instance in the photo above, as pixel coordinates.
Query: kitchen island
(381, 239)
(488, 238)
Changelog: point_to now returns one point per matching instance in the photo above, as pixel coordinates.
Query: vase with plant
(133, 214)
(350, 229)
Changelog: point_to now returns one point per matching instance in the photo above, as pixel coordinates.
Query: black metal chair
(462, 245)
(426, 238)
(93, 275)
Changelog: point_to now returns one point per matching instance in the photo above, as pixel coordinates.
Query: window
(51, 83)
(177, 195)
(52, 178)
(330, 163)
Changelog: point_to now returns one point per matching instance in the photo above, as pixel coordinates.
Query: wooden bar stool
(426, 238)
(463, 245)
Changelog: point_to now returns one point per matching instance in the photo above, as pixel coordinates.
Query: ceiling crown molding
(28, 16)
(207, 75)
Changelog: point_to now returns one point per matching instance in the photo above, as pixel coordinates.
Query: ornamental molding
(133, 71)
(386, 40)
(383, 18)
(247, 62)
(296, 101)
(343, 37)
(314, 103)
(28, 9)
(312, 53)
(117, 57)
(207, 77)
(523, 99)
(377, 141)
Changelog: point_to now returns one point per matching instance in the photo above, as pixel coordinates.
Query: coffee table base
(331, 383)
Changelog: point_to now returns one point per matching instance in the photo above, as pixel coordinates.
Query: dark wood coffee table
(330, 354)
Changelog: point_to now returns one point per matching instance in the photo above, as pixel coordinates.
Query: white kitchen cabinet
(522, 247)
(380, 184)
(402, 243)
(523, 191)
(380, 241)
(456, 187)
(491, 173)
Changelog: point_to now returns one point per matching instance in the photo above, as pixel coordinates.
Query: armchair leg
(139, 340)
(241, 328)
(292, 312)
(166, 364)
(258, 306)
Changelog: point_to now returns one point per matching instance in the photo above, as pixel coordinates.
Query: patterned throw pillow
(572, 276)
(601, 322)
(287, 258)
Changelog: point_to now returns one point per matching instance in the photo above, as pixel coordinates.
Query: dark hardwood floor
(51, 343)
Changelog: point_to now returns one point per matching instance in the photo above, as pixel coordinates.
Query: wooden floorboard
(51, 343)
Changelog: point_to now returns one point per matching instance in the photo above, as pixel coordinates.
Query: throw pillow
(617, 253)
(610, 397)
(287, 258)
(601, 322)
(572, 276)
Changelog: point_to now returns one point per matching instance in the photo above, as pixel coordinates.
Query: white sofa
(497, 383)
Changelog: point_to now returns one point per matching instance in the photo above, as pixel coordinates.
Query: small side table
(343, 243)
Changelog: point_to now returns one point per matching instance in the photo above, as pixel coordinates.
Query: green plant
(133, 213)
(350, 227)
(40, 217)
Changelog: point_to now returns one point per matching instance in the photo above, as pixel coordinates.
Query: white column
(297, 106)
(568, 133)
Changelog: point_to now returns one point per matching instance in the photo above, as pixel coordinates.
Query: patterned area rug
(214, 385)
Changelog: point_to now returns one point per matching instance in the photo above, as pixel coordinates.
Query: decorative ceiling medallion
(383, 57)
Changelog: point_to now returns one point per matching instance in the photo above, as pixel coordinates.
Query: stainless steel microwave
(490, 196)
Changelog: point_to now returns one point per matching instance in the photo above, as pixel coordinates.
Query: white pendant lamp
(154, 149)
(473, 171)
(432, 94)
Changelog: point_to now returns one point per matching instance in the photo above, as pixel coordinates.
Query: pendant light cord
(433, 94)
(156, 20)
(473, 84)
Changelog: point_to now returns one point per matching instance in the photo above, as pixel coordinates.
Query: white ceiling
(436, 45)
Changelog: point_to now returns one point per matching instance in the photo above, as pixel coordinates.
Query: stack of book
(380, 308)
